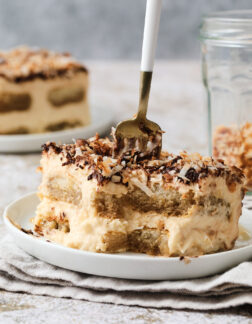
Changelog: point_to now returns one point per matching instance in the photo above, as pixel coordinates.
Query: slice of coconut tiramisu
(41, 91)
(177, 205)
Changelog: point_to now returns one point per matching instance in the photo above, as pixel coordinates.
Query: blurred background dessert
(41, 91)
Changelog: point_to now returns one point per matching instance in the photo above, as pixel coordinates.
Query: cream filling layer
(192, 234)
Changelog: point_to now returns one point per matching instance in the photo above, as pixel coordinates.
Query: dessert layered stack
(174, 205)
(41, 91)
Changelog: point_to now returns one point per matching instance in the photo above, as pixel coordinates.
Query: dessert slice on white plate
(17, 218)
(183, 205)
(41, 91)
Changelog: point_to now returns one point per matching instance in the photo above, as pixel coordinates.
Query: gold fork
(140, 133)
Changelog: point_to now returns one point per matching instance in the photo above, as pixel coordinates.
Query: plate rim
(134, 256)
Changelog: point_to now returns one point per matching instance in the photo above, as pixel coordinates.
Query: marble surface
(177, 103)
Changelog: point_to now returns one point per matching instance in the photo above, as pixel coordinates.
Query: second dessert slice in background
(41, 91)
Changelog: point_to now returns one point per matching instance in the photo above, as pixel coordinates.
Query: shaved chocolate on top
(96, 155)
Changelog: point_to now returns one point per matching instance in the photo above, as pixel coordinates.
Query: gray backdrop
(106, 29)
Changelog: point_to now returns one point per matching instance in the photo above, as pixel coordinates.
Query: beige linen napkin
(20, 272)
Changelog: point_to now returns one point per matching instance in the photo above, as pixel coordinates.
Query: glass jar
(226, 46)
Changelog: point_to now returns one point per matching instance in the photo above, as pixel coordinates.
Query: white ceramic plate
(101, 122)
(122, 265)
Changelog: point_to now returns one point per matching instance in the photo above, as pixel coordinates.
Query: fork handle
(151, 26)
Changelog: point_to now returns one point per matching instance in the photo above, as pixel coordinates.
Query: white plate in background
(101, 121)
(120, 265)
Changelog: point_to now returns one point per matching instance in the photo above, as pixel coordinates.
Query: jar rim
(230, 16)
(229, 27)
